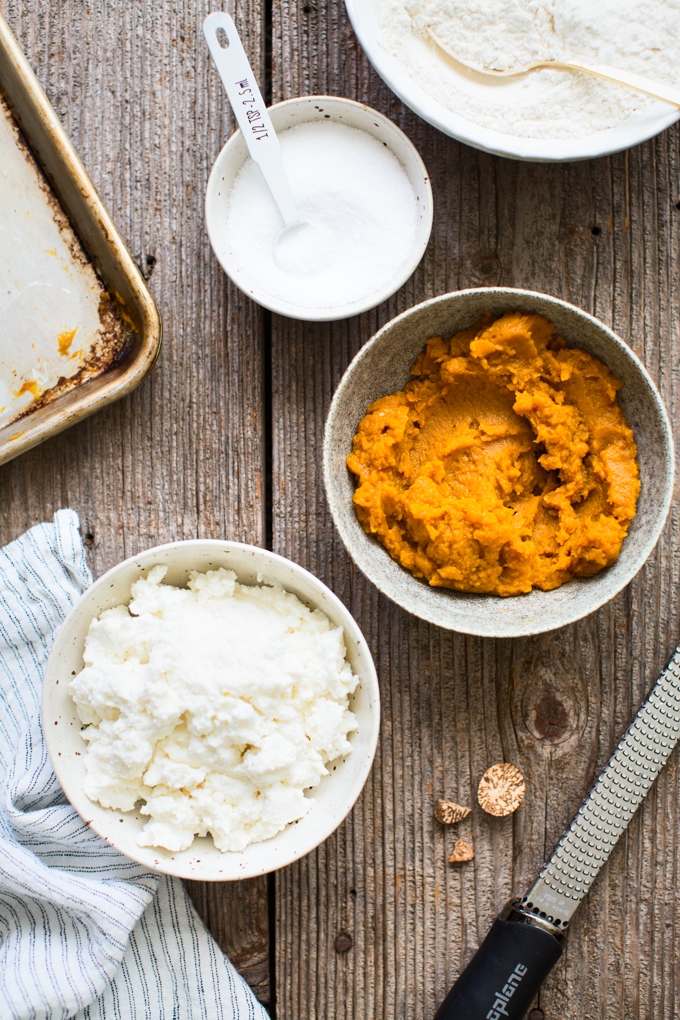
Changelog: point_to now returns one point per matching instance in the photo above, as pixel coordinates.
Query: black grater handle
(506, 972)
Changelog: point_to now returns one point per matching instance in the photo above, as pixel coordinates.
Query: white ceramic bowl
(636, 129)
(301, 111)
(382, 366)
(333, 798)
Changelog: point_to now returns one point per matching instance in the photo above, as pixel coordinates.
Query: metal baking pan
(92, 360)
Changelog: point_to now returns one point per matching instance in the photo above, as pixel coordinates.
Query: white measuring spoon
(252, 118)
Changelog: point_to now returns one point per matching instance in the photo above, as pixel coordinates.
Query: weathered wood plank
(452, 705)
(238, 917)
(182, 457)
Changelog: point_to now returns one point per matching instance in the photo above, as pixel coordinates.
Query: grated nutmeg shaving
(462, 852)
(448, 813)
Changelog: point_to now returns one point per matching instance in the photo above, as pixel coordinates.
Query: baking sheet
(78, 327)
(58, 324)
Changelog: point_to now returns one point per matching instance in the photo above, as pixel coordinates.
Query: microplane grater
(524, 942)
(606, 812)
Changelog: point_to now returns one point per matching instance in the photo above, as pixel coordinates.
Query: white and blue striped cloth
(84, 932)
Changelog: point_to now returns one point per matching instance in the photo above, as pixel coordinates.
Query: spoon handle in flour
(249, 109)
(656, 89)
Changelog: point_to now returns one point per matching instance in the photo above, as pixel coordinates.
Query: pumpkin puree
(506, 463)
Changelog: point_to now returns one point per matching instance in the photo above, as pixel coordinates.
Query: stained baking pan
(78, 327)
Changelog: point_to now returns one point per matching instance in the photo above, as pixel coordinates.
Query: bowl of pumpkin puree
(498, 462)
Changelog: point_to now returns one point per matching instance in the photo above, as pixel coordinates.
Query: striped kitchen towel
(84, 932)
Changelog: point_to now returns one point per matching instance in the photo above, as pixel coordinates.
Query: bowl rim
(513, 294)
(294, 311)
(369, 677)
(537, 150)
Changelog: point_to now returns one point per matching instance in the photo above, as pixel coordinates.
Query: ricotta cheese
(217, 705)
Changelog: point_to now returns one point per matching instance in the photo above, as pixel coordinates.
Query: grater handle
(506, 972)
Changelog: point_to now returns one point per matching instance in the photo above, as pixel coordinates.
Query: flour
(361, 211)
(636, 35)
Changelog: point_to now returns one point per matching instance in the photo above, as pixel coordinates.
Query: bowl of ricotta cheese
(211, 709)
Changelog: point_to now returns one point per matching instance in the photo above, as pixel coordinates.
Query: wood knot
(146, 263)
(483, 268)
(550, 715)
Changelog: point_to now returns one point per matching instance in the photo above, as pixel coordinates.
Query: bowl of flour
(363, 192)
(211, 709)
(547, 114)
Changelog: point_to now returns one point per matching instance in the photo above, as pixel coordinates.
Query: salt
(637, 35)
(361, 211)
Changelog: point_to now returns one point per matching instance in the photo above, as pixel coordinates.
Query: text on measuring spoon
(254, 116)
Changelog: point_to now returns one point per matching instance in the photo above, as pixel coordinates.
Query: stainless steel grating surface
(606, 812)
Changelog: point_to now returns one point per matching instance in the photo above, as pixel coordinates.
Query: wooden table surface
(224, 440)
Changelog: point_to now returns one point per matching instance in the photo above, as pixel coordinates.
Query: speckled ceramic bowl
(382, 367)
(332, 799)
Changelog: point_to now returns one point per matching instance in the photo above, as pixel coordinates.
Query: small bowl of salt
(360, 185)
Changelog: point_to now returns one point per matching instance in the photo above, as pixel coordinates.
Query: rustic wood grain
(556, 704)
(182, 457)
(238, 917)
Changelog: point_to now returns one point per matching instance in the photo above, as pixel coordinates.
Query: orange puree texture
(505, 464)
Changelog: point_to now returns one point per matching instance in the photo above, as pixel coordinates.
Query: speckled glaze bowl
(332, 799)
(382, 367)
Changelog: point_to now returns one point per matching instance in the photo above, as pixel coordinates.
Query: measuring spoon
(656, 89)
(252, 118)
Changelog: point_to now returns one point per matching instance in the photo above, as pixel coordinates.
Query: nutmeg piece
(448, 813)
(501, 790)
(462, 852)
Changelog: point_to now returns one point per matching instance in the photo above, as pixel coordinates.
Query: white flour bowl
(638, 128)
(289, 114)
(332, 799)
